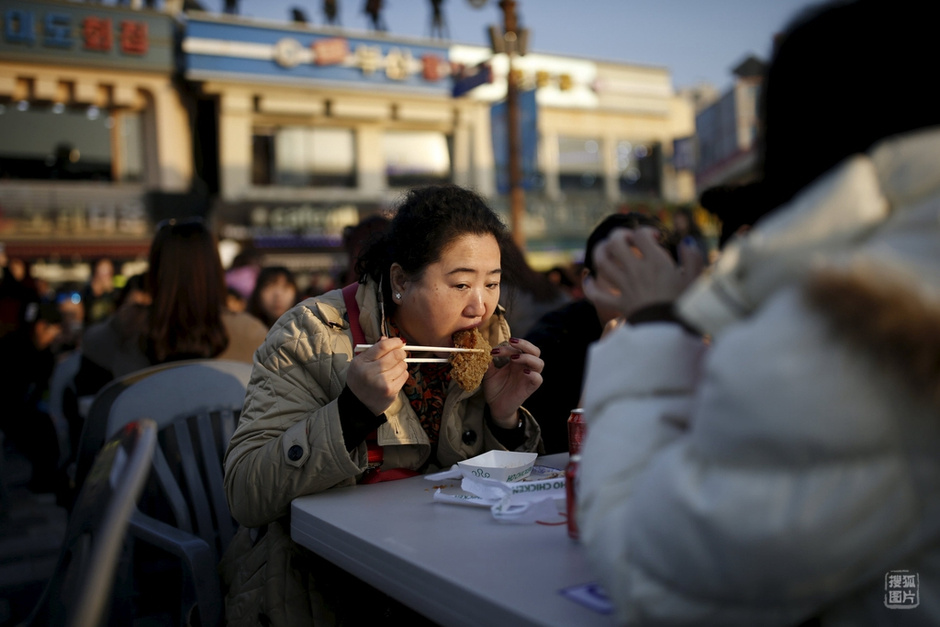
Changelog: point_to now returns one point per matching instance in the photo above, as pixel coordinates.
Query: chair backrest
(63, 378)
(196, 406)
(79, 591)
(95, 427)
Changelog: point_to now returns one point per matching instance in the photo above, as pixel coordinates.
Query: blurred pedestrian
(275, 292)
(17, 289)
(134, 292)
(373, 8)
(99, 295)
(319, 282)
(28, 362)
(186, 318)
(526, 293)
(357, 238)
(686, 229)
(243, 272)
(331, 13)
(564, 336)
(439, 27)
(68, 297)
(234, 301)
(562, 277)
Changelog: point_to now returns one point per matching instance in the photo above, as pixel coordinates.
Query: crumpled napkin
(506, 504)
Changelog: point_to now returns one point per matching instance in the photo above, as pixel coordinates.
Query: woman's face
(277, 297)
(103, 278)
(460, 291)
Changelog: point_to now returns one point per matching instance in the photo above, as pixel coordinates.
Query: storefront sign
(92, 35)
(559, 81)
(528, 126)
(216, 47)
(115, 217)
(281, 225)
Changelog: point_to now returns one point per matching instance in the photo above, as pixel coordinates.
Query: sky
(697, 40)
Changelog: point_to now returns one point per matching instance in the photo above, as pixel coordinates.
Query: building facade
(92, 122)
(318, 126)
(287, 133)
(727, 130)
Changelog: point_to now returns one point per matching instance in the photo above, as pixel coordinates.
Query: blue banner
(528, 122)
(216, 47)
(91, 35)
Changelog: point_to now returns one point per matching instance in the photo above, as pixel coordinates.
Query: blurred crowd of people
(186, 305)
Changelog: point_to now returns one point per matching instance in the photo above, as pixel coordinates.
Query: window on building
(416, 157)
(129, 129)
(639, 167)
(59, 142)
(262, 157)
(580, 166)
(301, 156)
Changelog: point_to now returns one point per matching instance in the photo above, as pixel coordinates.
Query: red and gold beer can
(576, 428)
(571, 495)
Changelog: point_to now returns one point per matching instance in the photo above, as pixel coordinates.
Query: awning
(84, 249)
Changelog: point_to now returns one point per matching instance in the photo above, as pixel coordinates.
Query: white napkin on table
(504, 505)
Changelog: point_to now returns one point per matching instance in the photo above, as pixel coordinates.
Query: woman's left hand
(512, 377)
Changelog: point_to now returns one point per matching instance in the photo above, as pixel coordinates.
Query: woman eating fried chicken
(337, 398)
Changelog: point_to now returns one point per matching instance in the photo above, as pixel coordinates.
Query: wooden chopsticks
(426, 360)
(434, 349)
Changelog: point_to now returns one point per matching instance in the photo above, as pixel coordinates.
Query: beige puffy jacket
(289, 443)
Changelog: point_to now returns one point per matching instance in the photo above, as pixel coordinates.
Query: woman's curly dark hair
(426, 222)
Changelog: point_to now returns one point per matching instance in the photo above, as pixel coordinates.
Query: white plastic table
(453, 563)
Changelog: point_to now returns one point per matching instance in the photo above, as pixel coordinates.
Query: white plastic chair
(195, 405)
(62, 380)
(78, 593)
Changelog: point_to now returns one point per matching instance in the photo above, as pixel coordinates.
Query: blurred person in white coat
(787, 473)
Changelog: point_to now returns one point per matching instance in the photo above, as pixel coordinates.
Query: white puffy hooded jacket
(791, 469)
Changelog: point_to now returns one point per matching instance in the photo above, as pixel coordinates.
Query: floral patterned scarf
(426, 389)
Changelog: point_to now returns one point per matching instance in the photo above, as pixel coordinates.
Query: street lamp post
(512, 40)
(516, 190)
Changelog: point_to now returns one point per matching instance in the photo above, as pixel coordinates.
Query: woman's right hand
(634, 271)
(377, 374)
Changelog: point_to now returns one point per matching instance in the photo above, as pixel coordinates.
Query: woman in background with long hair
(187, 317)
(181, 316)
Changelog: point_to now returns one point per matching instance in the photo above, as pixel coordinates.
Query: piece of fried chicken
(468, 369)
